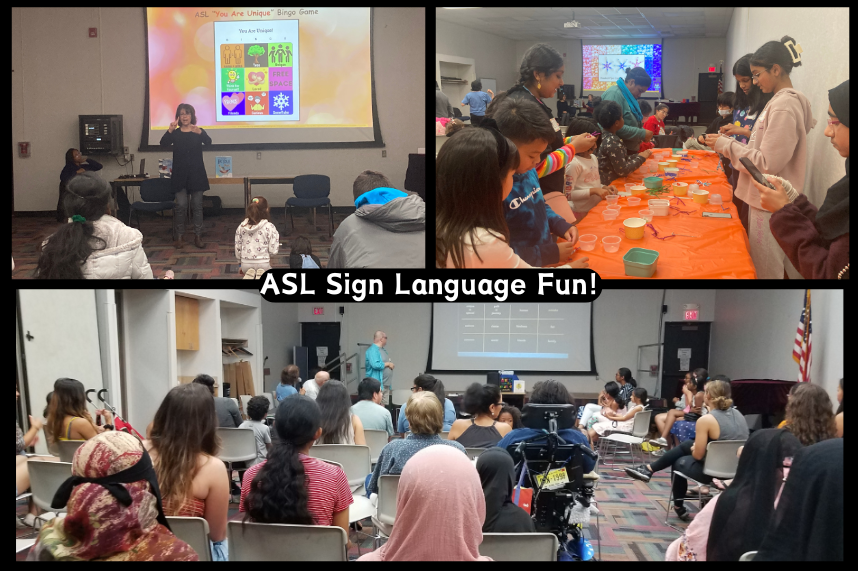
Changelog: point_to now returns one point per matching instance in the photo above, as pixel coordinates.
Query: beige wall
(492, 54)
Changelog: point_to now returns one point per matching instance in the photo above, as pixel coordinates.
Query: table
(250, 180)
(245, 181)
(718, 250)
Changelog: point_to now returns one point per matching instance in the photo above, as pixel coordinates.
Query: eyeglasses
(413, 389)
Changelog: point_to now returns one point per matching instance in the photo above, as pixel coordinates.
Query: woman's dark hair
(69, 400)
(540, 58)
(257, 210)
(289, 375)
(453, 127)
(468, 185)
(476, 85)
(479, 398)
(607, 113)
(580, 125)
(700, 376)
(70, 156)
(640, 76)
(190, 109)
(646, 108)
(431, 384)
(612, 388)
(840, 407)
(724, 378)
(626, 374)
(808, 414)
(69, 247)
(771, 53)
(726, 99)
(521, 120)
(278, 493)
(367, 388)
(515, 413)
(661, 106)
(205, 380)
(756, 99)
(596, 100)
(301, 245)
(335, 406)
(257, 407)
(561, 95)
(48, 405)
(550, 392)
(641, 394)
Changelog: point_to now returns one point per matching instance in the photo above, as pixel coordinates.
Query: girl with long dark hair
(290, 486)
(68, 418)
(614, 405)
(692, 392)
(627, 382)
(339, 425)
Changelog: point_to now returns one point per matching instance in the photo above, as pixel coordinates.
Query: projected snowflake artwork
(646, 56)
(607, 66)
(637, 63)
(281, 101)
(621, 65)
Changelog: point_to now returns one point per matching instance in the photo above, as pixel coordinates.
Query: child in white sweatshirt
(255, 239)
(584, 188)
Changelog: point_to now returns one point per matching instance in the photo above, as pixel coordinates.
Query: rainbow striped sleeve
(556, 160)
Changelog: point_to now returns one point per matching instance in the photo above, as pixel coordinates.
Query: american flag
(801, 352)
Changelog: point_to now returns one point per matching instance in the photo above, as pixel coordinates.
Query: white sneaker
(660, 441)
(29, 520)
(250, 274)
(659, 452)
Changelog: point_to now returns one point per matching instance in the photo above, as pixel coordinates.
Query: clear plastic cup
(692, 188)
(612, 199)
(611, 243)
(587, 241)
(633, 200)
(646, 214)
(694, 164)
(653, 167)
(610, 214)
(629, 186)
(715, 199)
(615, 207)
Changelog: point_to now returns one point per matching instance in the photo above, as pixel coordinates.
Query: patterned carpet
(216, 260)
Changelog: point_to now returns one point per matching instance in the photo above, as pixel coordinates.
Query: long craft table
(718, 248)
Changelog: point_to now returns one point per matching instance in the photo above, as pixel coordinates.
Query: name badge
(554, 124)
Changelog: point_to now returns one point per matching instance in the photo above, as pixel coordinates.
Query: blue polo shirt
(478, 101)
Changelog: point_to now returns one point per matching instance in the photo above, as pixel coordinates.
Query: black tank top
(476, 436)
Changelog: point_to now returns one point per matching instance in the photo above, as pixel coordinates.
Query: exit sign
(711, 69)
(318, 311)
(691, 315)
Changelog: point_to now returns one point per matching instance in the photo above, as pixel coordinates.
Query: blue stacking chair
(311, 191)
(156, 197)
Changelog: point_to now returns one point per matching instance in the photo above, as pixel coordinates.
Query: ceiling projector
(572, 24)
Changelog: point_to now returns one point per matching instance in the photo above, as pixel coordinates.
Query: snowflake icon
(621, 65)
(607, 66)
(281, 101)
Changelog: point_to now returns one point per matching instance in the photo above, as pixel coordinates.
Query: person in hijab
(440, 510)
(114, 508)
(815, 241)
(496, 470)
(808, 522)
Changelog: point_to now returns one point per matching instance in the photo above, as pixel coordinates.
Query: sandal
(695, 491)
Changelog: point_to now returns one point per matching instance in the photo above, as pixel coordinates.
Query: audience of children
(584, 189)
(614, 161)
(289, 378)
(478, 100)
(482, 430)
(424, 382)
(256, 239)
(497, 472)
(257, 409)
(302, 256)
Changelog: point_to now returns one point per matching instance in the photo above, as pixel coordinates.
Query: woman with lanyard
(189, 179)
(626, 94)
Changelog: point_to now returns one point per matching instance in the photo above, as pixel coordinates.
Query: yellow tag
(554, 479)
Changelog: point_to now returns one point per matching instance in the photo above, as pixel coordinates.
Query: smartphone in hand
(755, 172)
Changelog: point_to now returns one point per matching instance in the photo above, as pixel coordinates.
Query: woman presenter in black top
(189, 172)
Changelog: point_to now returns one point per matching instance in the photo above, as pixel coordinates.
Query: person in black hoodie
(76, 163)
(496, 470)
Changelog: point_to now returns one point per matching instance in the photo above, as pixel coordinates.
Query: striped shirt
(327, 487)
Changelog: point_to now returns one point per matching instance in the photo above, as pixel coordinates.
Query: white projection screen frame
(297, 132)
(522, 337)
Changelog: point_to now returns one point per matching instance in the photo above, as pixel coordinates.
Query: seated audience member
(384, 216)
(594, 412)
(724, 422)
(646, 111)
(339, 424)
(694, 402)
(228, 415)
(454, 127)
(93, 244)
(257, 409)
(311, 388)
(288, 379)
(290, 486)
(655, 122)
(114, 509)
(425, 418)
(482, 430)
(626, 383)
(584, 189)
(621, 421)
(839, 418)
(184, 451)
(614, 161)
(497, 472)
(599, 423)
(68, 418)
(429, 383)
(439, 513)
(809, 520)
(550, 392)
(22, 472)
(76, 163)
(511, 415)
(678, 404)
(302, 256)
(368, 409)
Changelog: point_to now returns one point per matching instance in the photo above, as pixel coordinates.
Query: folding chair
(238, 445)
(195, 532)
(474, 453)
(388, 487)
(285, 542)
(749, 556)
(376, 440)
(67, 448)
(45, 479)
(640, 428)
(356, 463)
(520, 546)
(245, 399)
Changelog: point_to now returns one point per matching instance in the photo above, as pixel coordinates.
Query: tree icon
(256, 51)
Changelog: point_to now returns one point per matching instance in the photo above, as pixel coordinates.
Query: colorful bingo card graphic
(257, 70)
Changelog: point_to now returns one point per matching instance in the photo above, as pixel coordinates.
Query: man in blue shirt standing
(478, 100)
(378, 364)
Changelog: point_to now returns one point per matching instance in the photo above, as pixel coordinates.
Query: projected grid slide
(516, 330)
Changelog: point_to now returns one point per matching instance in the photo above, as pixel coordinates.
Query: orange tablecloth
(718, 250)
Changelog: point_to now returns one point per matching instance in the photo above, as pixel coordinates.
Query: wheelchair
(561, 504)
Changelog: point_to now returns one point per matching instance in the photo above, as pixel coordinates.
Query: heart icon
(232, 101)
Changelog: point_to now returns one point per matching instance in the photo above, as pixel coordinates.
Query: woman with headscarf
(440, 510)
(626, 93)
(815, 241)
(114, 508)
(497, 471)
(808, 522)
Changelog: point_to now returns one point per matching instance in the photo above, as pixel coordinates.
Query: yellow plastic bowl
(634, 228)
(661, 166)
(701, 197)
(638, 190)
(680, 188)
(671, 162)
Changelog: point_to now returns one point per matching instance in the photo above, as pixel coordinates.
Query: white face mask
(724, 113)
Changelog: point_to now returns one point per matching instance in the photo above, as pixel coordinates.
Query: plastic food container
(609, 214)
(670, 170)
(659, 206)
(692, 188)
(671, 163)
(694, 164)
(676, 157)
(676, 151)
(680, 188)
(701, 196)
(634, 228)
(715, 199)
(587, 241)
(640, 262)
(683, 152)
(633, 200)
(611, 243)
(652, 182)
(662, 165)
(638, 190)
(612, 198)
(646, 214)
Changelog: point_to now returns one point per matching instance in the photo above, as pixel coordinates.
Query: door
(686, 347)
(322, 341)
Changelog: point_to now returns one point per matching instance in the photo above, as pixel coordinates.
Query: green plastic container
(640, 262)
(676, 151)
(652, 182)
